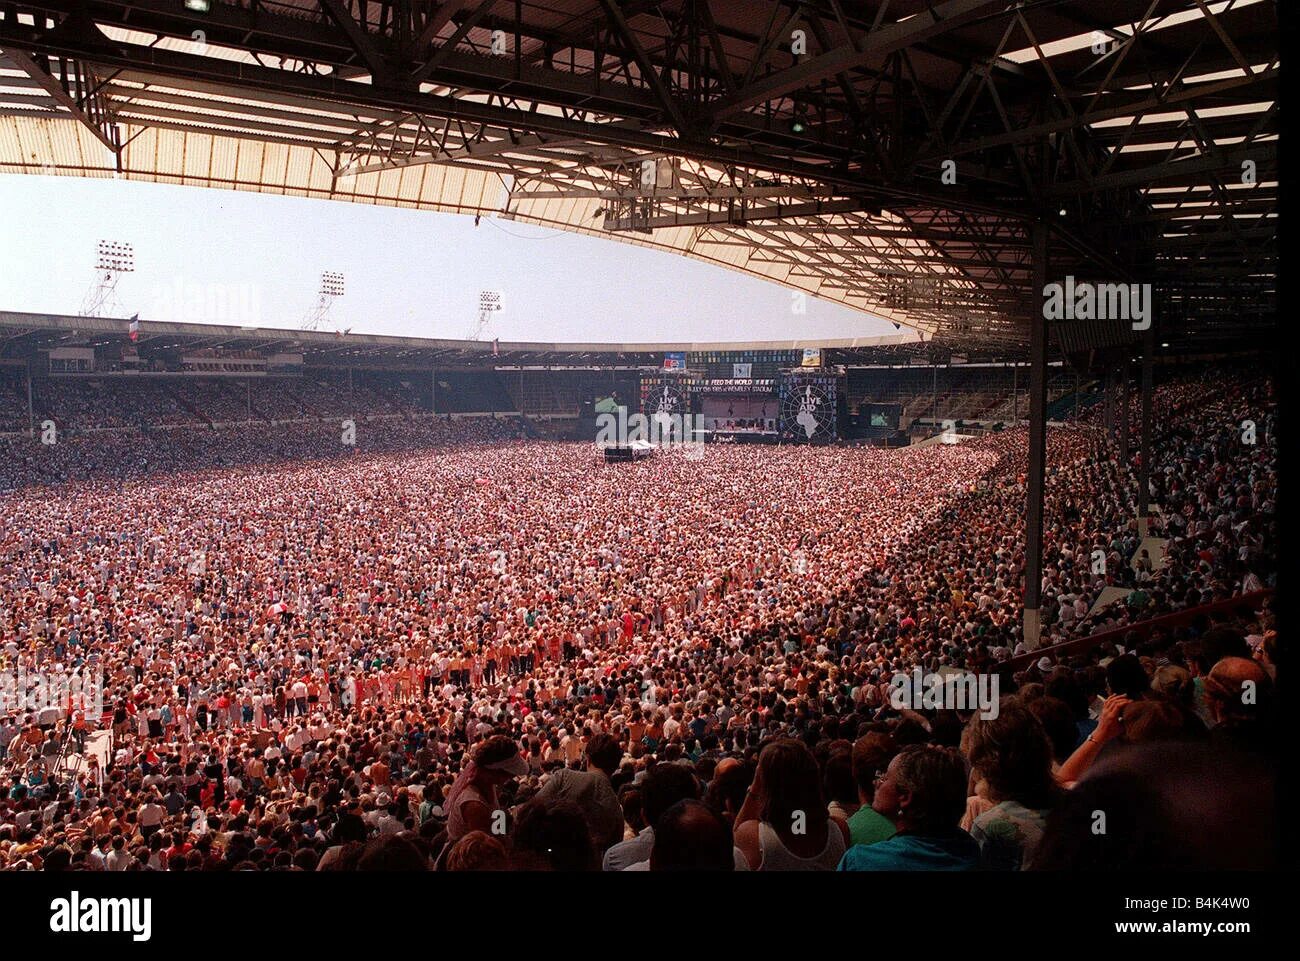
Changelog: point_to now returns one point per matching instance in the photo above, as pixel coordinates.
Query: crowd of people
(114, 456)
(474, 652)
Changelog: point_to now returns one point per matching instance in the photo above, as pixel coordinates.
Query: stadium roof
(890, 155)
(22, 334)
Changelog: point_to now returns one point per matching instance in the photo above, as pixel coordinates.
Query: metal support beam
(360, 39)
(878, 44)
(649, 73)
(91, 110)
(1037, 446)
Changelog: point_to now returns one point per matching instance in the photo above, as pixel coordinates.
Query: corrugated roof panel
(385, 189)
(222, 169)
(408, 184)
(298, 171)
(198, 157)
(248, 169)
(11, 144)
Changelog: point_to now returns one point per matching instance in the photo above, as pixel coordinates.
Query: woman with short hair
(923, 791)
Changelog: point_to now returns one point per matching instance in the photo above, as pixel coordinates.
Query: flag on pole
(133, 328)
(496, 346)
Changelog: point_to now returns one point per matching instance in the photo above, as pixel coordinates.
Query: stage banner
(665, 395)
(808, 407)
(718, 385)
(675, 360)
(742, 371)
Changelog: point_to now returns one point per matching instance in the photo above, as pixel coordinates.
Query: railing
(1143, 629)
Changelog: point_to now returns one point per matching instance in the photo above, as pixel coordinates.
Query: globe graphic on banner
(809, 412)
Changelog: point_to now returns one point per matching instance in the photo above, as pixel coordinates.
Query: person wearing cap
(473, 801)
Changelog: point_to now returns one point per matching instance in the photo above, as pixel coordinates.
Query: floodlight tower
(112, 259)
(489, 303)
(331, 287)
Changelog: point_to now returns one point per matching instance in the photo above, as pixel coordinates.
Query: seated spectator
(871, 756)
(924, 793)
(1011, 762)
(689, 836)
(477, 851)
(552, 836)
(1145, 807)
(1239, 694)
(664, 786)
(784, 824)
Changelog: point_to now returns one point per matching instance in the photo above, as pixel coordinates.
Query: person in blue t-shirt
(923, 791)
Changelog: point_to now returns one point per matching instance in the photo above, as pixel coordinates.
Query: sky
(216, 256)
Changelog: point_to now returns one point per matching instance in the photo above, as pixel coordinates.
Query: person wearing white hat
(472, 803)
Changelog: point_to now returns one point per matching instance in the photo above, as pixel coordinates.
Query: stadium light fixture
(112, 259)
(116, 257)
(199, 6)
(797, 125)
(331, 286)
(331, 283)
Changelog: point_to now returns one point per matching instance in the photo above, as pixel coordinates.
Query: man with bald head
(689, 836)
(725, 765)
(1239, 693)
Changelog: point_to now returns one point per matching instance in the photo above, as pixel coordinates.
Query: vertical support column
(1144, 450)
(1123, 414)
(1037, 441)
(1108, 401)
(1015, 394)
(934, 396)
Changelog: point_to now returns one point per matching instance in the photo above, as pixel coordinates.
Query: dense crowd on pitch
(114, 456)
(509, 656)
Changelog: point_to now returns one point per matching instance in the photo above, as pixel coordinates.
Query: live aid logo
(78, 915)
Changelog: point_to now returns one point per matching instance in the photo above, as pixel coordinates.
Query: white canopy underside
(62, 146)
